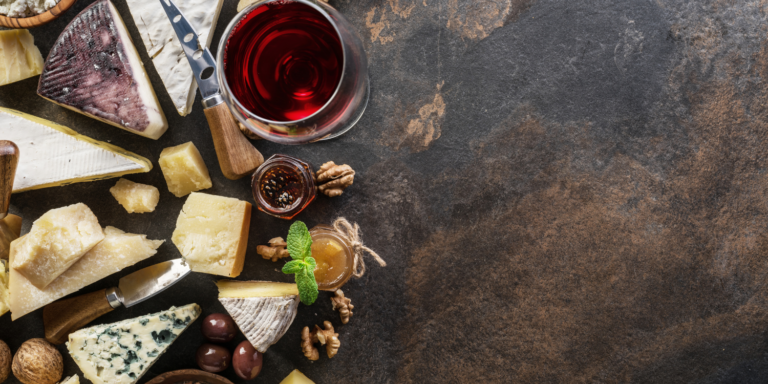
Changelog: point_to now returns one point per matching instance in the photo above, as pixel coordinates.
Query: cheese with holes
(19, 57)
(163, 45)
(116, 252)
(74, 379)
(58, 239)
(10, 230)
(135, 197)
(54, 155)
(94, 69)
(212, 233)
(296, 377)
(122, 352)
(4, 292)
(184, 169)
(262, 310)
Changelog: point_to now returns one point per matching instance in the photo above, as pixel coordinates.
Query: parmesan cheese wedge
(117, 251)
(262, 310)
(19, 57)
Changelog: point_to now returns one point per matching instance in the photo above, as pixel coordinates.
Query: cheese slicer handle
(237, 156)
(9, 159)
(66, 316)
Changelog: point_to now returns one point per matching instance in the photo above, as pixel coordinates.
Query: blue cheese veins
(122, 352)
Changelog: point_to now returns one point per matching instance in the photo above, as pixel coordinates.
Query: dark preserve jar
(283, 186)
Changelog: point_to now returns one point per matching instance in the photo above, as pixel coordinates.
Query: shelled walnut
(327, 337)
(343, 305)
(275, 250)
(334, 179)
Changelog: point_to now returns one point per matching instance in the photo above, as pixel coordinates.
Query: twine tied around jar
(352, 233)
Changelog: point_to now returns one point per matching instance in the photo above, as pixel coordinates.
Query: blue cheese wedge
(122, 352)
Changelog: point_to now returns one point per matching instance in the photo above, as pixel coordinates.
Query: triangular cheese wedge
(117, 251)
(163, 46)
(53, 154)
(262, 310)
(93, 68)
(122, 352)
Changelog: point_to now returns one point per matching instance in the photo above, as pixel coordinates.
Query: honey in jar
(334, 257)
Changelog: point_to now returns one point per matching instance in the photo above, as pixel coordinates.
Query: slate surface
(565, 191)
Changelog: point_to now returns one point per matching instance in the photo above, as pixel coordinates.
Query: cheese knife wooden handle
(66, 316)
(9, 159)
(237, 156)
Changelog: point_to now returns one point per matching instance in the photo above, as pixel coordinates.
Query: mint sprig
(303, 264)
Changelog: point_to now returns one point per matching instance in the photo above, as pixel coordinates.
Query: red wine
(283, 61)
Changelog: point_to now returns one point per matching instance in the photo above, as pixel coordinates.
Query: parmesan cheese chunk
(135, 197)
(57, 240)
(212, 233)
(19, 57)
(184, 169)
(117, 251)
(4, 294)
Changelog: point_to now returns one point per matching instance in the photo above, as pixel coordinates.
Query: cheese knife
(237, 157)
(66, 316)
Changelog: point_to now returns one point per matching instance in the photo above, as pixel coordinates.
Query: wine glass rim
(223, 47)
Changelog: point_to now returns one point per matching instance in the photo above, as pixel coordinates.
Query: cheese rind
(54, 155)
(19, 57)
(122, 352)
(117, 251)
(212, 233)
(135, 197)
(184, 169)
(4, 292)
(58, 239)
(262, 310)
(163, 45)
(296, 377)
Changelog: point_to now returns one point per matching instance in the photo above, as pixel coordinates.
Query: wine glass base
(356, 119)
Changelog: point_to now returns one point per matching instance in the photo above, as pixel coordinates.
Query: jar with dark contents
(283, 186)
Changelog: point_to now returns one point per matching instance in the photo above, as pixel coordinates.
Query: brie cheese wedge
(163, 46)
(262, 310)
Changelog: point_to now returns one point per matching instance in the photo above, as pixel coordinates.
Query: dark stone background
(565, 191)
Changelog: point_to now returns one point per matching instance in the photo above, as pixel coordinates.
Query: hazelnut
(38, 362)
(5, 361)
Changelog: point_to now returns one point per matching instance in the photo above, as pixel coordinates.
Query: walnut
(334, 179)
(247, 132)
(275, 251)
(5, 361)
(38, 362)
(343, 305)
(307, 340)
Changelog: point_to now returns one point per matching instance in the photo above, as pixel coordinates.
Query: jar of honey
(334, 255)
(283, 186)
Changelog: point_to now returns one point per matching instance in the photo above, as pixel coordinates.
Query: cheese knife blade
(148, 282)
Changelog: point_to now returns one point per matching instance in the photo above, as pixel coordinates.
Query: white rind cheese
(163, 46)
(54, 155)
(122, 352)
(117, 251)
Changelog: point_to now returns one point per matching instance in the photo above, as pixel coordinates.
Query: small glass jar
(334, 255)
(283, 186)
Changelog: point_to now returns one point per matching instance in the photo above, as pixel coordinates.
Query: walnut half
(334, 179)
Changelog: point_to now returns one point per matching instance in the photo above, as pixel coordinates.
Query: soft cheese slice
(212, 233)
(262, 310)
(93, 68)
(53, 155)
(163, 46)
(122, 352)
(19, 57)
(4, 292)
(117, 251)
(57, 240)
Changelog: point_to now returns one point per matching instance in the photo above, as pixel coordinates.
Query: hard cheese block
(262, 310)
(163, 46)
(117, 251)
(57, 240)
(10, 230)
(121, 353)
(212, 233)
(93, 68)
(184, 169)
(296, 377)
(4, 292)
(53, 155)
(19, 57)
(135, 197)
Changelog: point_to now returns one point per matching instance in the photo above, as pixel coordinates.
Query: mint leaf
(311, 264)
(307, 286)
(293, 266)
(299, 241)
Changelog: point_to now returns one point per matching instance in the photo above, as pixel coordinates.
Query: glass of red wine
(293, 71)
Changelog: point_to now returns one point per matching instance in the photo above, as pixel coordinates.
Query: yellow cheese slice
(19, 57)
